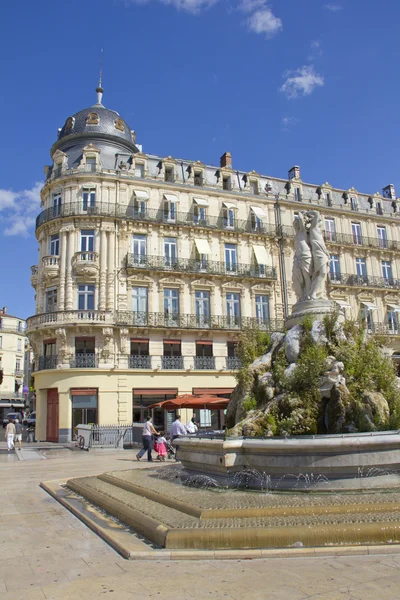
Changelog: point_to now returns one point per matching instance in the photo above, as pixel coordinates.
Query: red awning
(191, 401)
(200, 391)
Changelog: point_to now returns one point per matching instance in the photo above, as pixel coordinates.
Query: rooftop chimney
(294, 173)
(226, 160)
(3, 310)
(389, 192)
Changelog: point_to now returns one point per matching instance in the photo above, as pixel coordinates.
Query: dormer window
(254, 188)
(226, 183)
(69, 124)
(139, 170)
(353, 203)
(90, 164)
(327, 199)
(169, 174)
(92, 119)
(297, 194)
(119, 124)
(378, 208)
(198, 178)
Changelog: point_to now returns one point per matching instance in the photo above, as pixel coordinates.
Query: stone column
(111, 271)
(103, 269)
(63, 263)
(69, 302)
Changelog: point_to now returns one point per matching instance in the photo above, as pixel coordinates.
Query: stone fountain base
(318, 309)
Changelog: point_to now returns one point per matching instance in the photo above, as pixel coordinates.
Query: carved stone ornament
(61, 334)
(69, 124)
(124, 340)
(119, 124)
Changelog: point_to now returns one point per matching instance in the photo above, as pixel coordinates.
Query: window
(139, 170)
(85, 297)
(330, 230)
(88, 198)
(200, 215)
(392, 320)
(356, 231)
(232, 349)
(378, 208)
(366, 315)
(254, 187)
(233, 309)
(230, 257)
(139, 247)
(202, 307)
(87, 243)
(49, 348)
(334, 267)
(169, 174)
(92, 119)
(140, 203)
(172, 358)
(361, 267)
(382, 237)
(256, 218)
(387, 269)
(228, 214)
(262, 309)
(226, 183)
(54, 245)
(140, 347)
(171, 305)
(198, 178)
(170, 251)
(170, 209)
(19, 345)
(18, 365)
(297, 194)
(353, 203)
(204, 358)
(139, 305)
(51, 300)
(57, 200)
(90, 164)
(20, 326)
(84, 407)
(327, 199)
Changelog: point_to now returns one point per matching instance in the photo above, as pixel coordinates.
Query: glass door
(202, 301)
(171, 307)
(139, 305)
(170, 251)
(139, 250)
(230, 257)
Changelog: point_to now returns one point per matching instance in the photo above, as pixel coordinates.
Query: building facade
(13, 344)
(150, 266)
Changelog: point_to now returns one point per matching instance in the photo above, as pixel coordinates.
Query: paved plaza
(47, 553)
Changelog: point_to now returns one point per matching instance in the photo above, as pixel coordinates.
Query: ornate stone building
(13, 343)
(149, 266)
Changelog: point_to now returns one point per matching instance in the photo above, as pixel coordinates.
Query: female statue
(301, 274)
(320, 256)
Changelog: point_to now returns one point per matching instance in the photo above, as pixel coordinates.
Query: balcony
(71, 317)
(204, 363)
(162, 320)
(364, 281)
(85, 264)
(233, 363)
(4, 327)
(172, 362)
(84, 361)
(18, 373)
(50, 267)
(46, 362)
(207, 267)
(155, 215)
(139, 362)
(344, 239)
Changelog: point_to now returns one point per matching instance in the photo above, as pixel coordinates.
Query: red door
(52, 415)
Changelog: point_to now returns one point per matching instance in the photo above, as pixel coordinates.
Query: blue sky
(280, 82)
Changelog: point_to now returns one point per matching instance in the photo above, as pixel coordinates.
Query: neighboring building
(150, 266)
(12, 355)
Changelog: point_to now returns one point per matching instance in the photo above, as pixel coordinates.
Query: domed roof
(96, 120)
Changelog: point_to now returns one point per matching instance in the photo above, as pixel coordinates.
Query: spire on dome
(99, 88)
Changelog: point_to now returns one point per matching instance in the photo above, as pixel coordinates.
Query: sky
(277, 83)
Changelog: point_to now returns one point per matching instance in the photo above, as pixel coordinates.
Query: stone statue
(302, 263)
(311, 258)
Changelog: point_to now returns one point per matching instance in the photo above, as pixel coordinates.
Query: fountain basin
(323, 462)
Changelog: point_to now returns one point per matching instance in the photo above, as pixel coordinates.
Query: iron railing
(108, 436)
(172, 362)
(193, 321)
(139, 362)
(204, 363)
(157, 215)
(47, 362)
(209, 267)
(332, 237)
(84, 361)
(12, 329)
(233, 363)
(364, 281)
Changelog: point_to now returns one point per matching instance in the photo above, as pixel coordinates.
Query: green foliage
(250, 404)
(252, 344)
(307, 323)
(330, 325)
(295, 415)
(267, 424)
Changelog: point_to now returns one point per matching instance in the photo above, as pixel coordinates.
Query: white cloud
(301, 82)
(333, 7)
(251, 5)
(18, 210)
(264, 21)
(287, 122)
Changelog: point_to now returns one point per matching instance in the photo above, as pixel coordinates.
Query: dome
(97, 121)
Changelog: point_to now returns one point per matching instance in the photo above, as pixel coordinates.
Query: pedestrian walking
(191, 427)
(147, 439)
(161, 449)
(10, 433)
(177, 429)
(18, 433)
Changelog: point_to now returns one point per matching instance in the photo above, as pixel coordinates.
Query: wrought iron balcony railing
(84, 361)
(193, 321)
(233, 363)
(204, 363)
(209, 267)
(46, 362)
(139, 362)
(172, 362)
(384, 328)
(364, 281)
(18, 372)
(332, 237)
(157, 215)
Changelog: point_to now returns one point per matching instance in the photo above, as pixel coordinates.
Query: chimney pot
(389, 192)
(294, 172)
(226, 160)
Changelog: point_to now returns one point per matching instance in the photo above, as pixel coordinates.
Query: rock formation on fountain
(324, 375)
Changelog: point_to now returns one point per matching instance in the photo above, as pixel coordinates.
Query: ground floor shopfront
(66, 398)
